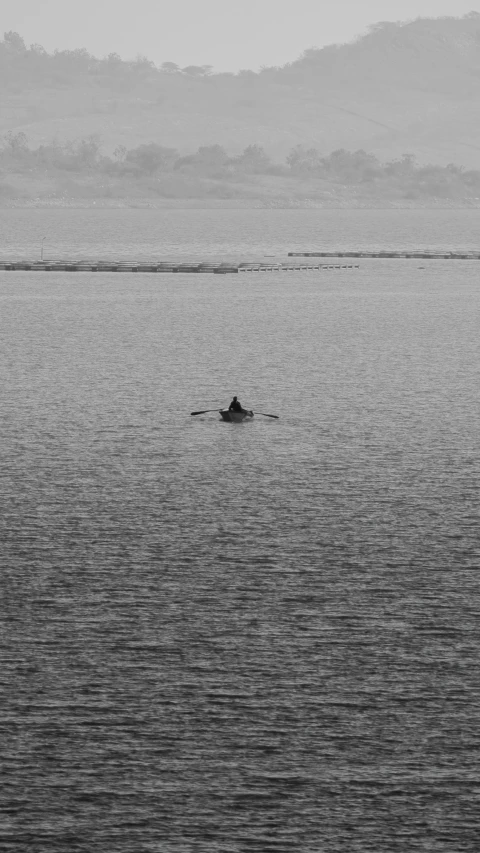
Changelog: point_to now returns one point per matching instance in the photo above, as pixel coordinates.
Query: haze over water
(240, 637)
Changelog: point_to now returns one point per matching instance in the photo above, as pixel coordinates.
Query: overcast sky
(228, 34)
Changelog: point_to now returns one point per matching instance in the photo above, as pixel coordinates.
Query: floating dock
(303, 261)
(218, 268)
(424, 256)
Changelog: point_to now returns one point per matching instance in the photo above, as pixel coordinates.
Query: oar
(204, 412)
(266, 416)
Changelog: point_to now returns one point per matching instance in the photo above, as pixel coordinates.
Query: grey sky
(228, 34)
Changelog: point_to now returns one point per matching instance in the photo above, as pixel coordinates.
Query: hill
(75, 126)
(401, 87)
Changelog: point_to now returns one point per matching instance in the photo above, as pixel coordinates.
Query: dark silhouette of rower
(235, 406)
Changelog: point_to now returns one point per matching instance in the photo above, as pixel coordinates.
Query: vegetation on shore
(80, 170)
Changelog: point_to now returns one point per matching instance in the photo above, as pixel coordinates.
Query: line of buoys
(295, 267)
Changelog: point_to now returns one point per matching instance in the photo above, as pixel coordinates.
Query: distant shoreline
(233, 204)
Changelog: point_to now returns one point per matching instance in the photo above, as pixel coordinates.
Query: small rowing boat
(235, 417)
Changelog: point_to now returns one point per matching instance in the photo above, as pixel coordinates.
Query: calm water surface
(240, 637)
(137, 234)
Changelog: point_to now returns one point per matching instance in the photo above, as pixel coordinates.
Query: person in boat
(235, 406)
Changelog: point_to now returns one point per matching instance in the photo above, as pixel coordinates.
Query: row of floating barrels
(464, 256)
(216, 268)
(295, 267)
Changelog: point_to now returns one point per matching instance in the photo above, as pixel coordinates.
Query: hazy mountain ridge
(409, 87)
